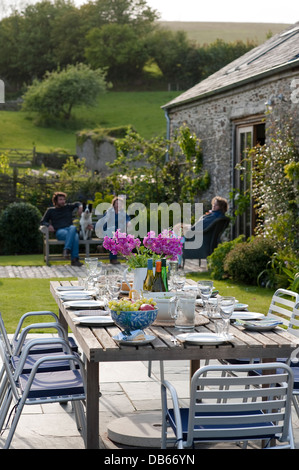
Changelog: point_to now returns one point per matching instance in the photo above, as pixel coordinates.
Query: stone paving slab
(65, 270)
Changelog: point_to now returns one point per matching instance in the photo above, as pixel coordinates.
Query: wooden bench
(49, 240)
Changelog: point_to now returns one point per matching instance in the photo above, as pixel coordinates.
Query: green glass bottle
(158, 284)
(164, 274)
(148, 281)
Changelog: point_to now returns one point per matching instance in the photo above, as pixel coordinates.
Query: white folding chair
(251, 407)
(281, 309)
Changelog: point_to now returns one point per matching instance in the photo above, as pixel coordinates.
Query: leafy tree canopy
(60, 90)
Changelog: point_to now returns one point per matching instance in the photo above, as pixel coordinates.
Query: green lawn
(140, 109)
(18, 296)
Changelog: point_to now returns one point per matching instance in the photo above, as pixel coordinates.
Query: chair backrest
(282, 308)
(215, 231)
(4, 337)
(241, 406)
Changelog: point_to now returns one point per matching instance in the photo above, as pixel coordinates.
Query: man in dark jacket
(59, 219)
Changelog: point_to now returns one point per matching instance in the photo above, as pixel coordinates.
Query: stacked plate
(84, 304)
(97, 320)
(201, 339)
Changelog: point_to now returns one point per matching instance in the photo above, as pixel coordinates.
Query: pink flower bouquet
(165, 245)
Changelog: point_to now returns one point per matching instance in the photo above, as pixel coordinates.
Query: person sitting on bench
(59, 219)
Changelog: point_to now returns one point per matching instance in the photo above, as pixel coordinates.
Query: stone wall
(214, 120)
(97, 154)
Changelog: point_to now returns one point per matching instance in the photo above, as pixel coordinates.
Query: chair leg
(14, 424)
(80, 418)
(149, 370)
(295, 403)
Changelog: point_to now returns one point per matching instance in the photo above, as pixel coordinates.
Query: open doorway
(247, 135)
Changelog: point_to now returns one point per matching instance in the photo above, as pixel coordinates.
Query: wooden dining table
(98, 345)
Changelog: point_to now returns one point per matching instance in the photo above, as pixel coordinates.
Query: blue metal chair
(21, 332)
(211, 238)
(229, 405)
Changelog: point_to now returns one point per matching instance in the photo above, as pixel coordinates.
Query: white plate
(262, 325)
(239, 306)
(95, 321)
(68, 288)
(244, 316)
(148, 339)
(203, 338)
(91, 313)
(75, 296)
(84, 304)
(247, 316)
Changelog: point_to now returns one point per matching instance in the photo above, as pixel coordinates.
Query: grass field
(205, 32)
(140, 109)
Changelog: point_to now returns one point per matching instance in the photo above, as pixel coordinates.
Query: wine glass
(205, 289)
(178, 280)
(226, 306)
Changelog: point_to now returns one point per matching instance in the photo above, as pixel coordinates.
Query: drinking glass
(91, 265)
(213, 307)
(114, 283)
(185, 312)
(205, 289)
(226, 306)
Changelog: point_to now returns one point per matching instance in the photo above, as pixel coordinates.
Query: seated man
(59, 219)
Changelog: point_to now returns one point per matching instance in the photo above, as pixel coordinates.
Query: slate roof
(277, 53)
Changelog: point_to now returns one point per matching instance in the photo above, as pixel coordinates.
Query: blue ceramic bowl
(134, 320)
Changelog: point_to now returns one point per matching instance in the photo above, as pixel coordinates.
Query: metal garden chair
(235, 407)
(42, 387)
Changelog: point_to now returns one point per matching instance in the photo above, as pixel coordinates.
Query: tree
(176, 56)
(159, 170)
(118, 48)
(60, 90)
(134, 12)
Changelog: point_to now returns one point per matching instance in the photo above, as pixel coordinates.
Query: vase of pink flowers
(165, 245)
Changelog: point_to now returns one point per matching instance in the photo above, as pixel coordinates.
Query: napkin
(136, 335)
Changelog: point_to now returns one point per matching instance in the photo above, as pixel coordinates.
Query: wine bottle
(164, 274)
(158, 284)
(148, 281)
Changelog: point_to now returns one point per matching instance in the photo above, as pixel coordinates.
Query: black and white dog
(86, 222)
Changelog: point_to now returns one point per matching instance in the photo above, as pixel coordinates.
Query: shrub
(19, 224)
(246, 260)
(281, 272)
(216, 259)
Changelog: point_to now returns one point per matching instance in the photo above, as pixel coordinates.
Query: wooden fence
(19, 157)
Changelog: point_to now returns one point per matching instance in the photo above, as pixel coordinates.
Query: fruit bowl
(132, 316)
(134, 320)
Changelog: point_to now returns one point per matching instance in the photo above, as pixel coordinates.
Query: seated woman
(219, 208)
(116, 218)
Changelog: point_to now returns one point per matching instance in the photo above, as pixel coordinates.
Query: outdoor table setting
(214, 333)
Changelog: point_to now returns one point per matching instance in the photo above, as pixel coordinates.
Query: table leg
(62, 321)
(92, 405)
(194, 365)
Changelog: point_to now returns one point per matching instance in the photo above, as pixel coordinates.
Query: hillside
(205, 33)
